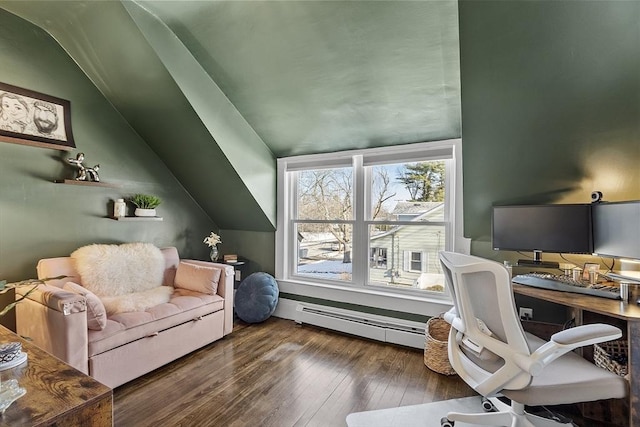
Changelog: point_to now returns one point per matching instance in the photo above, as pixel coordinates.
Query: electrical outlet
(526, 313)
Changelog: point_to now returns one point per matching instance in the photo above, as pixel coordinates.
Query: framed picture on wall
(32, 118)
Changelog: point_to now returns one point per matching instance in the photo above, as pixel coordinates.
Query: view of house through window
(407, 221)
(403, 224)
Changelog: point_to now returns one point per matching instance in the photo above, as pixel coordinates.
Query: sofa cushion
(197, 278)
(110, 270)
(96, 313)
(123, 328)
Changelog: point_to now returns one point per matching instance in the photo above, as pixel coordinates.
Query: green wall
(550, 105)
(254, 247)
(550, 110)
(41, 219)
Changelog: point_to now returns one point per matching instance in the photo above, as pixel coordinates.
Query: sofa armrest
(225, 289)
(55, 298)
(56, 321)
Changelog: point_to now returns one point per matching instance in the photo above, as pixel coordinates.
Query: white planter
(144, 212)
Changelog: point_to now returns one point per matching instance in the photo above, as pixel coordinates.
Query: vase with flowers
(212, 240)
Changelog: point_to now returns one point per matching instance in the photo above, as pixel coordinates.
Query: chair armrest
(587, 334)
(451, 315)
(570, 339)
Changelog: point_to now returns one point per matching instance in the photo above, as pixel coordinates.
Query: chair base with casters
(498, 413)
(491, 352)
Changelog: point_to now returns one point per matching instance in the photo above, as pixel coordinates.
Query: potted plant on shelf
(145, 204)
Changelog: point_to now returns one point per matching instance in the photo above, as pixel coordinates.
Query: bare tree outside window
(406, 230)
(327, 194)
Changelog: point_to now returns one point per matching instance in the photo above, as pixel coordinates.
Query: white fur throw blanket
(125, 277)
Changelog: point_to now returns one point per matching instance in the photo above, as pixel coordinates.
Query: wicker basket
(612, 356)
(436, 355)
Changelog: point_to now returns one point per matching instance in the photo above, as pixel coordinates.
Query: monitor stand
(537, 262)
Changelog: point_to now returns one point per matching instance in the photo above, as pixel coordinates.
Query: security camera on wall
(596, 196)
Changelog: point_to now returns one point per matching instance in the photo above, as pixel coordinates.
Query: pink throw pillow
(197, 278)
(96, 313)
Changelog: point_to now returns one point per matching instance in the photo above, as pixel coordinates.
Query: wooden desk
(629, 312)
(57, 394)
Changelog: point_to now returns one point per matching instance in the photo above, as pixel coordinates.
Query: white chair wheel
(488, 406)
(445, 422)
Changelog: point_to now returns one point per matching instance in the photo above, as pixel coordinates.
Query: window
(370, 219)
(323, 221)
(378, 258)
(414, 261)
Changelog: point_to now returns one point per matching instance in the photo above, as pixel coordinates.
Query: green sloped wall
(226, 168)
(550, 105)
(41, 219)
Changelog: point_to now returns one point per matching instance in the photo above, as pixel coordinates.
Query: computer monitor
(561, 228)
(616, 229)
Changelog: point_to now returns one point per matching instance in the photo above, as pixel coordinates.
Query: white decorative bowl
(9, 351)
(144, 212)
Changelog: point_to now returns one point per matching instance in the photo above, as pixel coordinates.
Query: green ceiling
(314, 76)
(219, 89)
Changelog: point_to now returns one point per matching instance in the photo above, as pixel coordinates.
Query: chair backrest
(486, 334)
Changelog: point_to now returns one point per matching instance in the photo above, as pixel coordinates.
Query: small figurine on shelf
(84, 173)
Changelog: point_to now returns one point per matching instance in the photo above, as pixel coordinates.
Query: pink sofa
(130, 344)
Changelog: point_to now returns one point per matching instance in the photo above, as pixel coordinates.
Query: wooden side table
(57, 394)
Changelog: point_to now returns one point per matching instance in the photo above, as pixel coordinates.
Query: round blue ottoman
(256, 298)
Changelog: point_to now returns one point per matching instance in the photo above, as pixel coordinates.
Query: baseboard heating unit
(381, 328)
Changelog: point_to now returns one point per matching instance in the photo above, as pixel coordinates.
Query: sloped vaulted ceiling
(314, 76)
(218, 89)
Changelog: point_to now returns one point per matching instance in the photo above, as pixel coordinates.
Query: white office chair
(490, 351)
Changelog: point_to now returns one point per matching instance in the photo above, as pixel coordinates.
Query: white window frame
(357, 292)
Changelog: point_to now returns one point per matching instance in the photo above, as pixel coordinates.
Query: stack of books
(230, 258)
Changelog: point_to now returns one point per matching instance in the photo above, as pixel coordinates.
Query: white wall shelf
(85, 183)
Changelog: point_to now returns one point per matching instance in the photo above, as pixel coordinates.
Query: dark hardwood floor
(281, 374)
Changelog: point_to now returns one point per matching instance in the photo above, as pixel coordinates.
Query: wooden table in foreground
(587, 309)
(57, 394)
